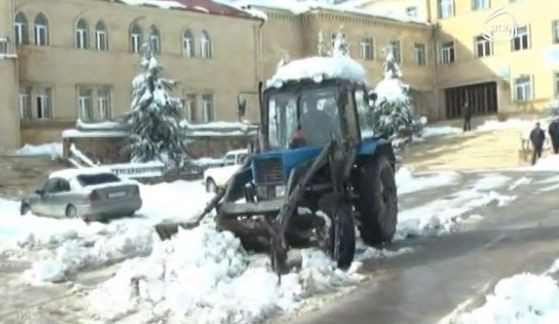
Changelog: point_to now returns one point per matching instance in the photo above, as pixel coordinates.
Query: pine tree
(393, 111)
(153, 122)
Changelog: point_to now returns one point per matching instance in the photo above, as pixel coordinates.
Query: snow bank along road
(457, 234)
(451, 274)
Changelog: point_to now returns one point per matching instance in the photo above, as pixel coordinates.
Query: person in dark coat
(467, 115)
(537, 137)
(553, 131)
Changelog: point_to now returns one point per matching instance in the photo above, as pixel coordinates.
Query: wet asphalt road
(453, 272)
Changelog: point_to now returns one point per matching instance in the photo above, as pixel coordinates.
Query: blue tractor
(316, 172)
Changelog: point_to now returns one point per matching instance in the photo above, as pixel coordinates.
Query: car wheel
(72, 212)
(211, 186)
(24, 209)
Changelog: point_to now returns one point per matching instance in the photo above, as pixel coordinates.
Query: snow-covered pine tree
(393, 111)
(153, 122)
(339, 45)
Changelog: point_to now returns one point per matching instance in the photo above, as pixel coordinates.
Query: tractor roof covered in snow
(318, 69)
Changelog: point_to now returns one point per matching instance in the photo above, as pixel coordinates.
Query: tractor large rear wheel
(378, 201)
(342, 236)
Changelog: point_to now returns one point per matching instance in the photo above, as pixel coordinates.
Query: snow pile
(548, 163)
(108, 247)
(493, 125)
(319, 68)
(204, 276)
(523, 298)
(439, 131)
(409, 183)
(54, 150)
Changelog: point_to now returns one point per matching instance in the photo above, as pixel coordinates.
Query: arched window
(205, 45)
(101, 37)
(135, 38)
(21, 29)
(155, 39)
(188, 43)
(41, 30)
(82, 31)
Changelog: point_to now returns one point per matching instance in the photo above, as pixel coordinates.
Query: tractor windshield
(307, 118)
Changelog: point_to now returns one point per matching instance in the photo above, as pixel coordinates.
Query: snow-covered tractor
(318, 170)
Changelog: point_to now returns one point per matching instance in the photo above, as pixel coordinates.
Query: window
(188, 43)
(206, 45)
(189, 107)
(447, 53)
(207, 108)
(395, 48)
(484, 47)
(522, 39)
(85, 104)
(367, 49)
(41, 30)
(556, 31)
(4, 45)
(135, 38)
(420, 54)
(44, 103)
(21, 30)
(81, 34)
(411, 11)
(523, 88)
(480, 4)
(24, 103)
(556, 84)
(364, 114)
(446, 8)
(103, 104)
(101, 37)
(97, 179)
(155, 40)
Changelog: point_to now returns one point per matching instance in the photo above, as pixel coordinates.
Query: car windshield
(310, 116)
(95, 179)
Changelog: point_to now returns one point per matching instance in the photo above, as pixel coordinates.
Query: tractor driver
(314, 128)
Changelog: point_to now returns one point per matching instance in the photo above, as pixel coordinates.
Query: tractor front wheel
(342, 236)
(378, 201)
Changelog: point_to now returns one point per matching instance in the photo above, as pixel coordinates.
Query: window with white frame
(103, 103)
(4, 45)
(446, 8)
(555, 25)
(135, 38)
(206, 45)
(484, 46)
(188, 43)
(41, 30)
(522, 39)
(367, 52)
(394, 46)
(447, 54)
(85, 103)
(411, 11)
(101, 37)
(189, 107)
(82, 40)
(420, 54)
(24, 103)
(21, 29)
(43, 100)
(207, 108)
(481, 4)
(155, 39)
(523, 88)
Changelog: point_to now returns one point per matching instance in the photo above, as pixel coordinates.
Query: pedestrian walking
(537, 137)
(467, 115)
(553, 131)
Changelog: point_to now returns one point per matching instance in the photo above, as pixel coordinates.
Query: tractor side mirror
(241, 107)
(373, 96)
(40, 192)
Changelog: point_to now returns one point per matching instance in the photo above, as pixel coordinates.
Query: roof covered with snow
(202, 6)
(318, 69)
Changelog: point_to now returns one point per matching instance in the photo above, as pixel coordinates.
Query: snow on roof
(68, 174)
(75, 133)
(106, 125)
(163, 4)
(317, 69)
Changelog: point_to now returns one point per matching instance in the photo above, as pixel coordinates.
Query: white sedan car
(217, 177)
(90, 194)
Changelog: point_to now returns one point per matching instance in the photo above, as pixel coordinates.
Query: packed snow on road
(203, 275)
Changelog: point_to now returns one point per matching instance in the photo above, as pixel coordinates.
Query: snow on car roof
(68, 174)
(319, 68)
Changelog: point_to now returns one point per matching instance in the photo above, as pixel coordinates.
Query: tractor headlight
(280, 191)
